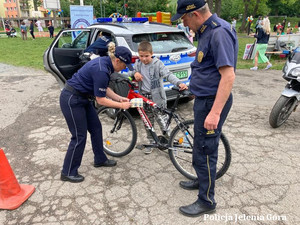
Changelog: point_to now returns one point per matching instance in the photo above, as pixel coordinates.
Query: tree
(231, 9)
(215, 6)
(65, 6)
(36, 4)
(225, 9)
(284, 7)
(210, 4)
(245, 15)
(256, 8)
(218, 4)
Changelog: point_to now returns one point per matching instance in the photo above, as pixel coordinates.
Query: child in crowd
(51, 30)
(38, 23)
(150, 72)
(23, 31)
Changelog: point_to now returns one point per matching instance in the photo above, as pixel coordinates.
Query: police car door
(62, 57)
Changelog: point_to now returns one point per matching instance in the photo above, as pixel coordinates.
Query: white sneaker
(148, 151)
(268, 66)
(253, 68)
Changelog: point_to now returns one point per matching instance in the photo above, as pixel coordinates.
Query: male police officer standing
(213, 74)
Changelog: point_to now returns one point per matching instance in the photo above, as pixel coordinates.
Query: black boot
(196, 209)
(107, 163)
(190, 185)
(74, 179)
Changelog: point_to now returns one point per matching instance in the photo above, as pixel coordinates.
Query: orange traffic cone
(12, 194)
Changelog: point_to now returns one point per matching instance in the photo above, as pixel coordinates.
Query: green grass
(276, 61)
(29, 53)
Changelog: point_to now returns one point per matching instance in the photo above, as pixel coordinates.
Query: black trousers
(81, 117)
(205, 152)
(32, 34)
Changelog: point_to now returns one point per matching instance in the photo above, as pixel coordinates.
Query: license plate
(181, 74)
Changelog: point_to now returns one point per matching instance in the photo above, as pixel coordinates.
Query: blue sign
(81, 17)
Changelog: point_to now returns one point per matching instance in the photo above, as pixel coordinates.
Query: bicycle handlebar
(128, 80)
(183, 92)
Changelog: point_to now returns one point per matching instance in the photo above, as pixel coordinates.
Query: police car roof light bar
(122, 20)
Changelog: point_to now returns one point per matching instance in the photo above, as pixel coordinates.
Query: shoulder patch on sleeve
(214, 24)
(202, 28)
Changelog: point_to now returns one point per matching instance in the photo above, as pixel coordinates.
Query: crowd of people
(279, 28)
(29, 26)
(262, 34)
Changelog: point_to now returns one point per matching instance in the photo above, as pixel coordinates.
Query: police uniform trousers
(81, 117)
(205, 152)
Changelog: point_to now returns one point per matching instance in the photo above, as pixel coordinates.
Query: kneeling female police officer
(91, 80)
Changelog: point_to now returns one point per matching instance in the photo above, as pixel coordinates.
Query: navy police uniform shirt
(93, 77)
(217, 47)
(99, 47)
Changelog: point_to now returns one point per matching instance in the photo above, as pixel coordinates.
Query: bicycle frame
(159, 142)
(131, 95)
(180, 143)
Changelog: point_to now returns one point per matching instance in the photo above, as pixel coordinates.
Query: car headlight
(295, 72)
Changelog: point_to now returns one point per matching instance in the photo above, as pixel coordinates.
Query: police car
(170, 45)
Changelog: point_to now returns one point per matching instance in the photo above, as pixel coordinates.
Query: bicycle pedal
(150, 146)
(140, 147)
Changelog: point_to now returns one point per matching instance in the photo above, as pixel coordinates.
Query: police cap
(186, 6)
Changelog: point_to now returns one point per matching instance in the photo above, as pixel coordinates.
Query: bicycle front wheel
(118, 130)
(181, 151)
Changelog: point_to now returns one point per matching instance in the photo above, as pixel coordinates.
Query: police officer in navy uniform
(213, 74)
(77, 107)
(99, 47)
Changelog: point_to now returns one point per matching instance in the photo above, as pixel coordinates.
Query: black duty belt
(75, 92)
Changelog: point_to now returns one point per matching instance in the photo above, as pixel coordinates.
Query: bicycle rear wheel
(119, 131)
(181, 152)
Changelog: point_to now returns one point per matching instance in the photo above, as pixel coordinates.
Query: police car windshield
(164, 42)
(295, 57)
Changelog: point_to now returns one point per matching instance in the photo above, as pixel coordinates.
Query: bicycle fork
(118, 122)
(184, 143)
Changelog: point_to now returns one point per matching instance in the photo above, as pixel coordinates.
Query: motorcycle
(290, 96)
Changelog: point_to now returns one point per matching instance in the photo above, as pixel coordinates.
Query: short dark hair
(145, 46)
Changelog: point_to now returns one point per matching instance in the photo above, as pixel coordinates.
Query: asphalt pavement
(261, 186)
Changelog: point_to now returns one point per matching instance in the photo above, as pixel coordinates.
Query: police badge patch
(200, 56)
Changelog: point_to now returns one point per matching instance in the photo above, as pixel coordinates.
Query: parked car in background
(169, 44)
